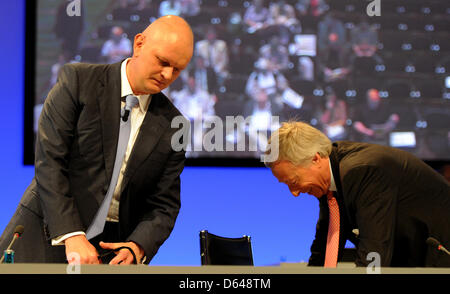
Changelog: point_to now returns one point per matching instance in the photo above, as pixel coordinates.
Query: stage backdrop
(226, 201)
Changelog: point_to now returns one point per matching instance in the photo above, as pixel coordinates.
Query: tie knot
(131, 101)
(330, 195)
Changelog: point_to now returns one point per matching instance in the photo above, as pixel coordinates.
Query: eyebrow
(167, 61)
(162, 59)
(286, 181)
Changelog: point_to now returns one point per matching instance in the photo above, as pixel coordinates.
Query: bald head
(172, 29)
(161, 52)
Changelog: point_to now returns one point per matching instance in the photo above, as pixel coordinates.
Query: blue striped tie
(98, 223)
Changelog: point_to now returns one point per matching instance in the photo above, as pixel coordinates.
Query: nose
(295, 192)
(167, 73)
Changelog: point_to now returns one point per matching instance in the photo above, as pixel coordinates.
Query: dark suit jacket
(394, 199)
(75, 153)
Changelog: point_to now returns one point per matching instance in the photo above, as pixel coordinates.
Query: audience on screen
(364, 42)
(117, 47)
(282, 13)
(133, 4)
(205, 76)
(260, 110)
(310, 12)
(170, 7)
(292, 50)
(333, 60)
(305, 68)
(315, 8)
(276, 53)
(264, 76)
(333, 117)
(373, 120)
(197, 105)
(193, 102)
(190, 8)
(256, 16)
(68, 29)
(214, 53)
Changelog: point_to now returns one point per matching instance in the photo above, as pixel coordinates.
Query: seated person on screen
(332, 49)
(214, 52)
(334, 117)
(373, 119)
(118, 47)
(256, 15)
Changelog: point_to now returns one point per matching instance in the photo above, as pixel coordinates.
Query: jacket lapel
(346, 223)
(108, 96)
(336, 174)
(153, 127)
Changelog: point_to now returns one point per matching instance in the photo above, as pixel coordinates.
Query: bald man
(75, 163)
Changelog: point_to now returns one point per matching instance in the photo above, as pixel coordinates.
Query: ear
(316, 159)
(139, 41)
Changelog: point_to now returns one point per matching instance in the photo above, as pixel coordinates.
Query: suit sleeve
(318, 246)
(54, 139)
(157, 224)
(375, 200)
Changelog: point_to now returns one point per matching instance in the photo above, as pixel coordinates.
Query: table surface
(283, 268)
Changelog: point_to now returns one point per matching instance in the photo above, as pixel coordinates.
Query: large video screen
(372, 71)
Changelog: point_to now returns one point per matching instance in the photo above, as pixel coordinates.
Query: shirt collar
(332, 183)
(144, 100)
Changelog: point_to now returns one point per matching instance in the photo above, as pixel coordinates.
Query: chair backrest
(217, 250)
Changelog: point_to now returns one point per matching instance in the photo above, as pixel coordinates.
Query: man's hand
(80, 245)
(124, 256)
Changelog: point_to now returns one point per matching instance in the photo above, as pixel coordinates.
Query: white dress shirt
(137, 116)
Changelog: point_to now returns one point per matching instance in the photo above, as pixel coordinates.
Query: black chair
(122, 14)
(393, 41)
(437, 143)
(90, 54)
(425, 63)
(340, 87)
(440, 41)
(303, 87)
(438, 120)
(364, 66)
(104, 31)
(398, 88)
(430, 88)
(401, 7)
(420, 41)
(236, 83)
(437, 24)
(443, 65)
(362, 85)
(396, 63)
(227, 106)
(217, 250)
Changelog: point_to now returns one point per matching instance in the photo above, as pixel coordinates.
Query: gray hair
(298, 143)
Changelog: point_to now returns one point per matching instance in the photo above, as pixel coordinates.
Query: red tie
(331, 253)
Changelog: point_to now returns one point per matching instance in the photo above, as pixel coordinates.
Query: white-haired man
(394, 199)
